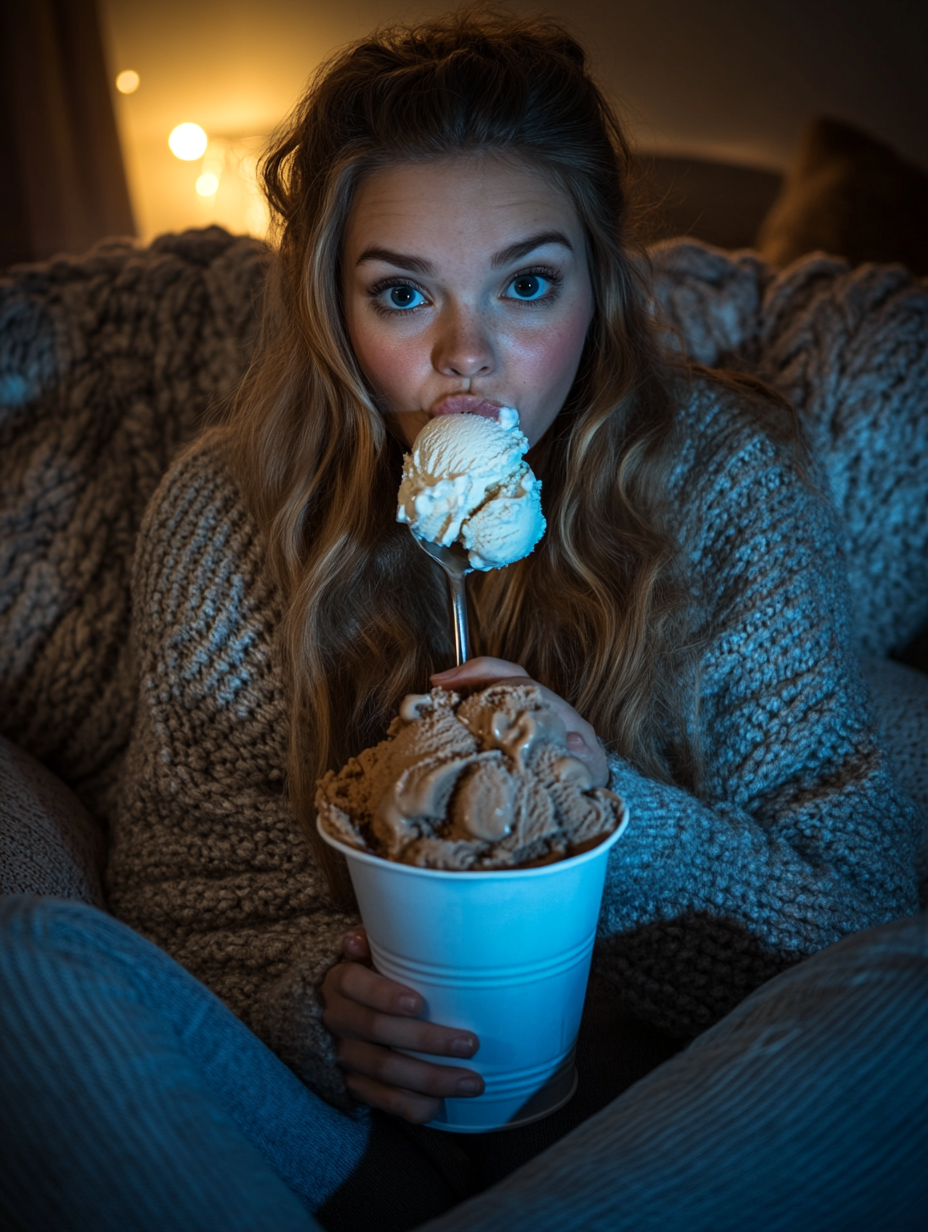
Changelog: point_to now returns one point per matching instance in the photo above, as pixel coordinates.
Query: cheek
(389, 363)
(549, 362)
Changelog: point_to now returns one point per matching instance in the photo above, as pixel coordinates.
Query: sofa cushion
(49, 844)
(900, 698)
(850, 195)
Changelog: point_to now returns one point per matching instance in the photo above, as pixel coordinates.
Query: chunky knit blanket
(107, 364)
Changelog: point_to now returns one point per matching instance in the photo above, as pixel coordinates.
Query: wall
(725, 79)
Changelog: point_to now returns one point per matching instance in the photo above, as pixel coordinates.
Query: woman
(453, 224)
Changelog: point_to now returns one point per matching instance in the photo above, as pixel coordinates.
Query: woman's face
(466, 276)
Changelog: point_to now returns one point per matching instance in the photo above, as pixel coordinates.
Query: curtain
(62, 181)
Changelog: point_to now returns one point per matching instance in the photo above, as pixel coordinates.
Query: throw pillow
(850, 195)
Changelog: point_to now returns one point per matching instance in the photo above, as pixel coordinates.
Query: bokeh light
(188, 142)
(207, 184)
(128, 81)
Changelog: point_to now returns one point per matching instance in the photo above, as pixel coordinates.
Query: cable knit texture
(802, 835)
(107, 363)
(849, 349)
(206, 858)
(802, 838)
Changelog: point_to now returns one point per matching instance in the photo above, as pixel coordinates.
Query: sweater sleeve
(206, 857)
(799, 835)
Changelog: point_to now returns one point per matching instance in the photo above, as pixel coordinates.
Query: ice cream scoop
(478, 784)
(466, 482)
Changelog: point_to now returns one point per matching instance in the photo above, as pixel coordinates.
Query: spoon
(455, 564)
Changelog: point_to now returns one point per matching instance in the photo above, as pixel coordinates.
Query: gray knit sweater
(801, 836)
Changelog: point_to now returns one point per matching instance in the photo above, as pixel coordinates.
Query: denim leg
(131, 1098)
(804, 1109)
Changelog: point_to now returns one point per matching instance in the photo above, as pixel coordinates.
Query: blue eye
(404, 296)
(528, 287)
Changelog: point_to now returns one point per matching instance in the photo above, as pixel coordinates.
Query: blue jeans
(130, 1098)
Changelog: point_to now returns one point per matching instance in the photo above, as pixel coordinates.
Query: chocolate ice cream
(477, 784)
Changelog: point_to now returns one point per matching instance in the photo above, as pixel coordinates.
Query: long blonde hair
(600, 612)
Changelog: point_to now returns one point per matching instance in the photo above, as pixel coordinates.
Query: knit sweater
(800, 835)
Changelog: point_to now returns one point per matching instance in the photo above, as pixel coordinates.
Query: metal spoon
(454, 562)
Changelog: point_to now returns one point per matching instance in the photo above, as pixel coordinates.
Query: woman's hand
(370, 1016)
(483, 671)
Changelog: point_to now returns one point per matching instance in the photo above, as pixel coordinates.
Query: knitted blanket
(849, 349)
(108, 362)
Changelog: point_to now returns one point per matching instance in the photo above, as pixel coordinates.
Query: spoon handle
(459, 615)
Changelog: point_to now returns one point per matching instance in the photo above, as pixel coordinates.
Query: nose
(463, 346)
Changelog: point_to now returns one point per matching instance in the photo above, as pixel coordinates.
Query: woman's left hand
(581, 739)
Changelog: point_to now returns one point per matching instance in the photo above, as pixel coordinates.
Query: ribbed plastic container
(505, 954)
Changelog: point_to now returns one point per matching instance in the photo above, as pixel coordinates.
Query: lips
(467, 404)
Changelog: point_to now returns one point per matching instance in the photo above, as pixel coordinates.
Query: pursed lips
(466, 404)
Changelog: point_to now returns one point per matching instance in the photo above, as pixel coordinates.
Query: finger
(482, 670)
(392, 1069)
(417, 1109)
(361, 1004)
(355, 945)
(578, 747)
(373, 990)
(349, 1020)
(593, 758)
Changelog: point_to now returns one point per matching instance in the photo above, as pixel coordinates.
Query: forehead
(465, 201)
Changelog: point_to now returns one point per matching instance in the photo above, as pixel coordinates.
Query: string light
(188, 142)
(128, 81)
(208, 184)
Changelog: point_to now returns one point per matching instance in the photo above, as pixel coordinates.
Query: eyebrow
(515, 252)
(401, 260)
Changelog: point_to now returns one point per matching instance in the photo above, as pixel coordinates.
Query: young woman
(453, 224)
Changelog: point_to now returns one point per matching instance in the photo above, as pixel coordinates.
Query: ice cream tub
(503, 953)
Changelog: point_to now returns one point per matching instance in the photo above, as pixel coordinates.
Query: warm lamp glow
(127, 82)
(207, 184)
(188, 141)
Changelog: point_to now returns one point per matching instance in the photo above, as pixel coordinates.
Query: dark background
(715, 95)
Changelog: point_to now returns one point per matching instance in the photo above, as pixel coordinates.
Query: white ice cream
(466, 482)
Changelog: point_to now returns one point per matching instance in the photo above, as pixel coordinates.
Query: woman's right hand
(370, 1016)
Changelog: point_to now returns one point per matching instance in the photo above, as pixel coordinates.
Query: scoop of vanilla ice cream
(466, 482)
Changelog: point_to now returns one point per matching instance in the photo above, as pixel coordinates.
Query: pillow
(850, 195)
(49, 843)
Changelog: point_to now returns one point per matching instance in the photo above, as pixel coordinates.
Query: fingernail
(462, 1045)
(469, 1086)
(409, 1005)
